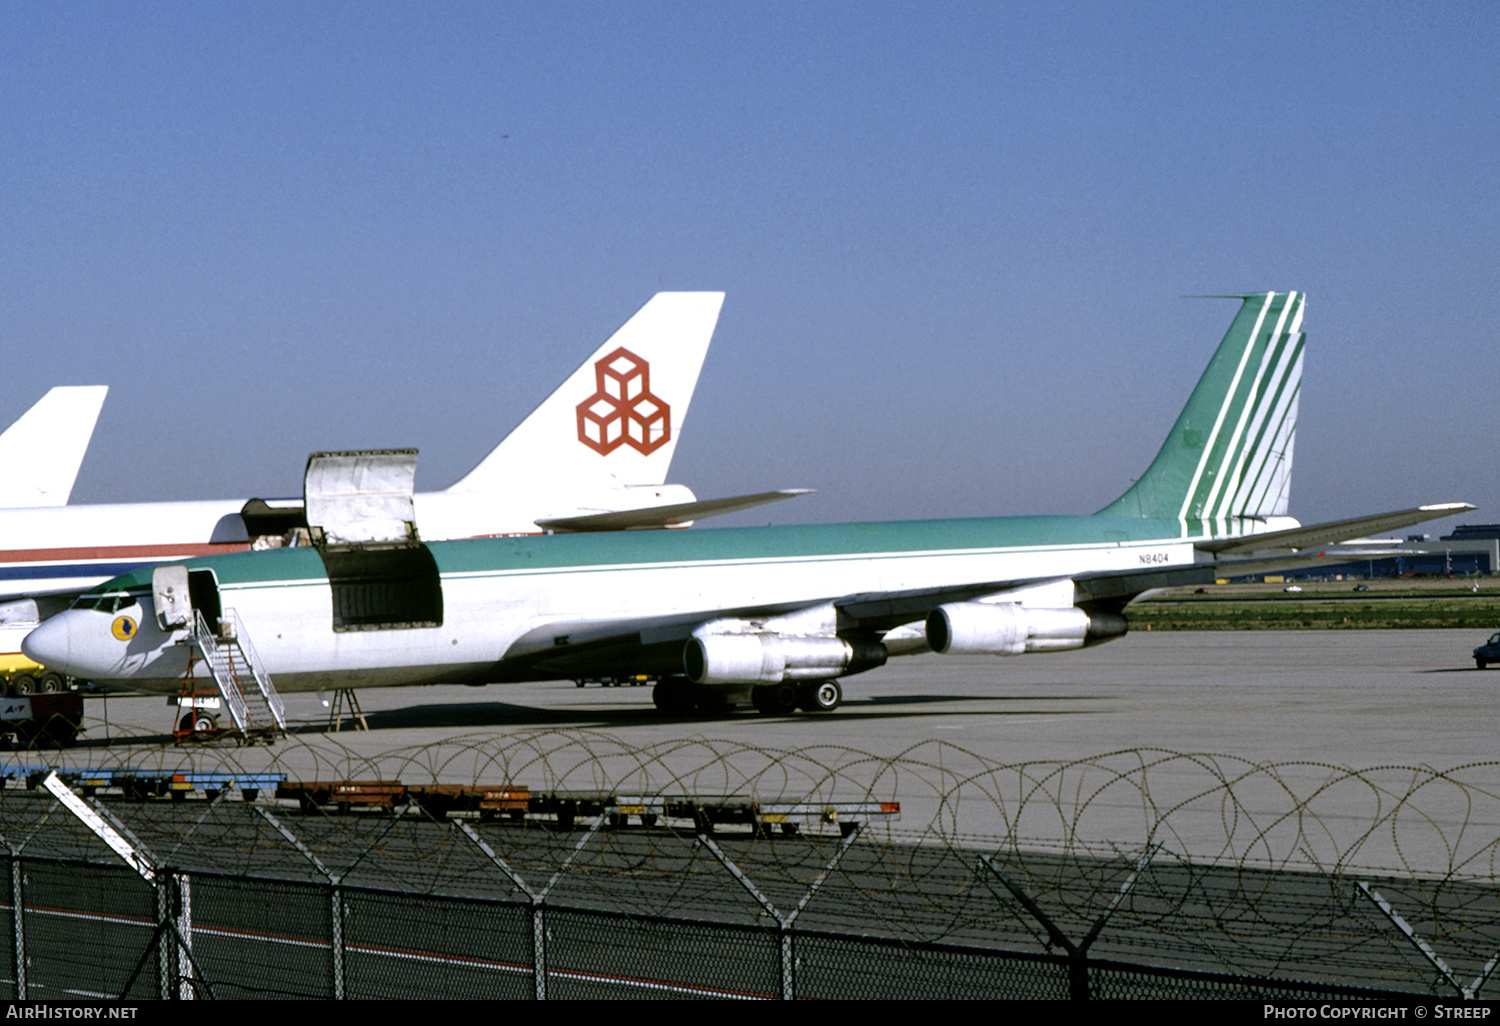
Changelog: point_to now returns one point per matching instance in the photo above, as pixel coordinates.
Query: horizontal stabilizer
(1299, 539)
(677, 515)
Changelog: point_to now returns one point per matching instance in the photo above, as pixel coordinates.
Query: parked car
(1489, 652)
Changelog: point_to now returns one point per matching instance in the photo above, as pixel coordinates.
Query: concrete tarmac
(1349, 748)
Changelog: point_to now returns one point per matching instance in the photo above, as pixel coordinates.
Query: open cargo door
(361, 519)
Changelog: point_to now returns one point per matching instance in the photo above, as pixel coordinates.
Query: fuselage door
(203, 587)
(178, 591)
(174, 603)
(361, 497)
(362, 521)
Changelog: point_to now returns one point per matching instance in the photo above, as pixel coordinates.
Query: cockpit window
(109, 602)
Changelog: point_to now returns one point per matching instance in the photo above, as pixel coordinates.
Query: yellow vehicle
(22, 676)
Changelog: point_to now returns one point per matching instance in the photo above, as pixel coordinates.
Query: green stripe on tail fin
(1230, 452)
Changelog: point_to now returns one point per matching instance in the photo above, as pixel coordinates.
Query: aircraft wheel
(673, 695)
(820, 696)
(775, 699)
(197, 721)
(23, 684)
(51, 683)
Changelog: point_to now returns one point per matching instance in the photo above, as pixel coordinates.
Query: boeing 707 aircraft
(778, 615)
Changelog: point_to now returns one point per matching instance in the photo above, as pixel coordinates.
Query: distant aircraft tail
(616, 420)
(1230, 452)
(41, 452)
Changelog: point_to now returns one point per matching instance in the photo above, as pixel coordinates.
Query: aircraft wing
(1300, 539)
(676, 515)
(654, 644)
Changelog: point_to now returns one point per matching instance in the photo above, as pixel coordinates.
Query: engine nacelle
(1005, 628)
(768, 658)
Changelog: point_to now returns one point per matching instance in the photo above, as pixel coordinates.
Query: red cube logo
(622, 409)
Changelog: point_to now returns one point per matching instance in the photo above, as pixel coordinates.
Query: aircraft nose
(49, 644)
(107, 647)
(81, 643)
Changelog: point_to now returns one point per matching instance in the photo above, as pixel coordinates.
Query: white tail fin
(616, 420)
(40, 453)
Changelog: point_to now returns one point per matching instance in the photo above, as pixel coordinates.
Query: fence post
(783, 923)
(335, 901)
(1078, 954)
(18, 905)
(537, 899)
(538, 926)
(336, 941)
(185, 967)
(176, 969)
(166, 960)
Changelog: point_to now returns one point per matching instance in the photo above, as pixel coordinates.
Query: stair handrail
(262, 678)
(222, 668)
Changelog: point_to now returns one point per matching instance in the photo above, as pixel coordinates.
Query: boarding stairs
(243, 683)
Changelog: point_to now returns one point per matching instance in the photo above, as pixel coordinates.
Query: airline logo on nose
(123, 628)
(622, 411)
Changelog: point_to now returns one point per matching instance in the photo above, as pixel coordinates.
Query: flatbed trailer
(709, 812)
(438, 799)
(141, 784)
(705, 813)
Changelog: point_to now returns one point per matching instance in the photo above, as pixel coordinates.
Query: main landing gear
(679, 696)
(675, 695)
(819, 696)
(814, 696)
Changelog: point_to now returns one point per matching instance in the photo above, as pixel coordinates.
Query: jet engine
(767, 658)
(1006, 628)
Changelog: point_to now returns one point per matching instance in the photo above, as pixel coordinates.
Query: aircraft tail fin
(616, 420)
(1230, 452)
(41, 452)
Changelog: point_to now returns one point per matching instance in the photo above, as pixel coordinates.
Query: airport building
(1471, 549)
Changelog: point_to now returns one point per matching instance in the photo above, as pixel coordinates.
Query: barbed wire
(1219, 808)
(1199, 858)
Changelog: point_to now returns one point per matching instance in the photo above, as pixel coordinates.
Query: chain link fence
(279, 898)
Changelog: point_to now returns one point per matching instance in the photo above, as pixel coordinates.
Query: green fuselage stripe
(551, 553)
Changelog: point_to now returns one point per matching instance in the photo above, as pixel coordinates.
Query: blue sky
(953, 237)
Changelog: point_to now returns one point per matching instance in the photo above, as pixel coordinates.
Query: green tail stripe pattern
(1230, 452)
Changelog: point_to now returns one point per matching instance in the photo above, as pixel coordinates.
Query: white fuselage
(512, 609)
